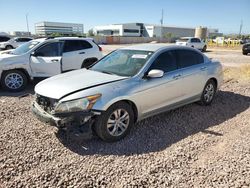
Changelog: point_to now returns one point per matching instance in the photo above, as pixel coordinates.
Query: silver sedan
(126, 86)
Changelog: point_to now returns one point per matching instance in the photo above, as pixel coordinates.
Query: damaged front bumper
(76, 122)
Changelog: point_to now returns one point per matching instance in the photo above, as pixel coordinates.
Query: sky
(226, 15)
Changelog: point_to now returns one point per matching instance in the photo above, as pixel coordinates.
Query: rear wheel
(204, 48)
(9, 47)
(88, 62)
(208, 93)
(115, 123)
(14, 80)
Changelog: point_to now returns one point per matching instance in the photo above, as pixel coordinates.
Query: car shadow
(161, 131)
(29, 90)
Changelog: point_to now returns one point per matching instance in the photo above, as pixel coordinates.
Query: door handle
(54, 60)
(176, 76)
(81, 52)
(203, 68)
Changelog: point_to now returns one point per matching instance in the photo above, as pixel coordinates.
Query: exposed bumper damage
(77, 123)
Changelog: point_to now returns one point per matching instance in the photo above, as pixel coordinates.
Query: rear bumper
(80, 122)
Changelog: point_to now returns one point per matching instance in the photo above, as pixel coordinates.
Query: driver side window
(49, 50)
(165, 62)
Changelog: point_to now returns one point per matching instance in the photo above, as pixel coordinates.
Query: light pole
(27, 22)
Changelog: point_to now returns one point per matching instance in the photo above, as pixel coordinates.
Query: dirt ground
(192, 146)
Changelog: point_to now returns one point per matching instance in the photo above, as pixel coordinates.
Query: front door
(46, 60)
(156, 94)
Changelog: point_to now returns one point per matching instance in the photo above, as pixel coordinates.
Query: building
(213, 33)
(163, 31)
(20, 33)
(146, 30)
(126, 29)
(66, 29)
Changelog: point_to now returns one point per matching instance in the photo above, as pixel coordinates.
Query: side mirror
(33, 53)
(155, 73)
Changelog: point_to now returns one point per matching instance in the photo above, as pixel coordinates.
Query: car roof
(155, 47)
(62, 38)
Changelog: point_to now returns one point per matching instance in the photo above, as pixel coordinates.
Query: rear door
(193, 72)
(74, 53)
(46, 60)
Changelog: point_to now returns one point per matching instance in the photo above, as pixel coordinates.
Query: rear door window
(75, 45)
(187, 58)
(4, 39)
(165, 62)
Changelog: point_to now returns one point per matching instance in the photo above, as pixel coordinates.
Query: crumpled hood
(58, 86)
(7, 57)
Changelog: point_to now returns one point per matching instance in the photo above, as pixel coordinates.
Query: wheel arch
(128, 101)
(215, 81)
(19, 69)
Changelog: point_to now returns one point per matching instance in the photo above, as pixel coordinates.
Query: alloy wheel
(118, 122)
(209, 93)
(14, 81)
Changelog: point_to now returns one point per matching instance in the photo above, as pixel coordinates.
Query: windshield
(25, 48)
(182, 40)
(123, 62)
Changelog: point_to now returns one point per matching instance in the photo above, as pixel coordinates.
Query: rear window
(75, 45)
(182, 40)
(4, 39)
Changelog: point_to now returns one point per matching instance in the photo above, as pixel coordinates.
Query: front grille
(46, 103)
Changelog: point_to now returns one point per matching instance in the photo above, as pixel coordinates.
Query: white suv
(192, 42)
(14, 42)
(45, 58)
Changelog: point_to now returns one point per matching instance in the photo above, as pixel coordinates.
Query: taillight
(100, 48)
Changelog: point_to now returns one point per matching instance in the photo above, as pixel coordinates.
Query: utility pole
(162, 15)
(27, 22)
(241, 25)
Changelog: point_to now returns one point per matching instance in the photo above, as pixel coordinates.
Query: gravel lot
(192, 146)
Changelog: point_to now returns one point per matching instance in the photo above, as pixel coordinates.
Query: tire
(9, 47)
(14, 80)
(208, 93)
(204, 49)
(244, 53)
(107, 125)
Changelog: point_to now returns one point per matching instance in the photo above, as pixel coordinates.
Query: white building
(67, 29)
(145, 30)
(161, 31)
(126, 29)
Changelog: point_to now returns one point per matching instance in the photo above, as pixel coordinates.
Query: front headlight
(77, 105)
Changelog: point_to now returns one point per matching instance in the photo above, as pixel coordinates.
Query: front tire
(208, 93)
(115, 123)
(14, 80)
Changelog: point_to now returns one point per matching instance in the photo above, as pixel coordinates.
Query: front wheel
(208, 93)
(14, 80)
(115, 123)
